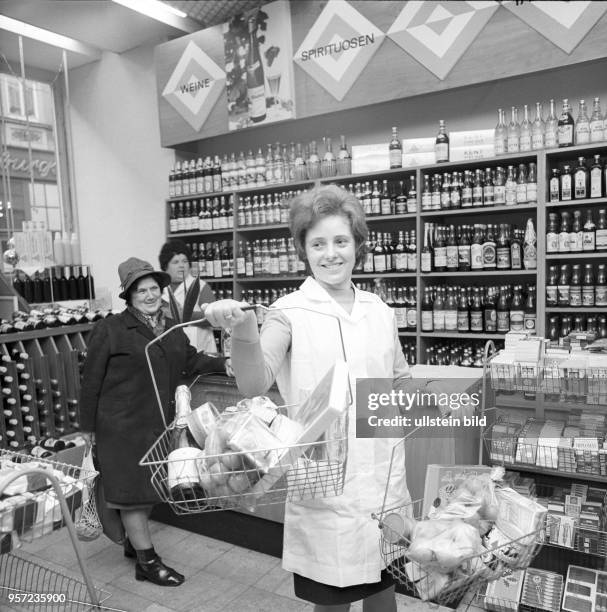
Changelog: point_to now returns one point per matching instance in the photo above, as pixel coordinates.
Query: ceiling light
(162, 12)
(48, 37)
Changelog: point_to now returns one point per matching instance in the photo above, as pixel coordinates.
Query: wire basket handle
(199, 322)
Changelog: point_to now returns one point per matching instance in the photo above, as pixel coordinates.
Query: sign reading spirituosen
(338, 47)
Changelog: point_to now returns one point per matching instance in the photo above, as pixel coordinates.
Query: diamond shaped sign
(436, 34)
(338, 47)
(195, 85)
(563, 23)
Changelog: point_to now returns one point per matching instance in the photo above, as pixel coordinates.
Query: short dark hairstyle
(170, 249)
(309, 207)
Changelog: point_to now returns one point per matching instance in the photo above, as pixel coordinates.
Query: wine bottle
(256, 91)
(183, 457)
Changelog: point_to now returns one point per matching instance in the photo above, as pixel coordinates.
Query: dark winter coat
(118, 402)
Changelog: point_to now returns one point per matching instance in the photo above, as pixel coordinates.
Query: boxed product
(503, 442)
(542, 590)
(518, 515)
(443, 480)
(585, 590)
(526, 448)
(503, 594)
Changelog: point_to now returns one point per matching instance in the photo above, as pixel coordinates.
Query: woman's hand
(227, 313)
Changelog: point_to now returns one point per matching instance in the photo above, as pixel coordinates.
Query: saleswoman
(119, 406)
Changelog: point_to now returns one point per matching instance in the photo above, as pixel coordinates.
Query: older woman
(331, 544)
(119, 406)
(175, 259)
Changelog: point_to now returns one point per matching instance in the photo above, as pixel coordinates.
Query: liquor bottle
(589, 233)
(412, 309)
(490, 312)
(379, 258)
(256, 92)
(596, 178)
(513, 132)
(375, 199)
(530, 315)
(477, 189)
(552, 236)
(385, 201)
(555, 185)
(510, 188)
(582, 125)
(575, 287)
(476, 248)
(576, 235)
(499, 187)
(489, 250)
(563, 286)
(466, 197)
(521, 184)
(440, 251)
(438, 311)
(564, 234)
(184, 455)
(450, 311)
(463, 313)
(344, 159)
(455, 194)
(300, 171)
(537, 129)
(503, 247)
(600, 288)
(313, 162)
(581, 177)
(426, 254)
(565, 126)
(566, 183)
(427, 194)
(173, 219)
(451, 250)
(500, 137)
(551, 128)
(401, 200)
(441, 144)
(279, 169)
(588, 286)
(529, 247)
(427, 312)
(503, 311)
(532, 184)
(464, 255)
(525, 131)
(517, 311)
(328, 165)
(601, 231)
(596, 122)
(445, 196)
(395, 150)
(217, 179)
(516, 251)
(412, 196)
(436, 192)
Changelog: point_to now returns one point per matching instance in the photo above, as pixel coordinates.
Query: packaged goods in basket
(482, 532)
(253, 452)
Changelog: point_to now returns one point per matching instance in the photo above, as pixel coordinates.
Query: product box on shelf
(585, 590)
(503, 594)
(542, 590)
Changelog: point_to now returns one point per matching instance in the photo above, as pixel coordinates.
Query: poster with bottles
(259, 70)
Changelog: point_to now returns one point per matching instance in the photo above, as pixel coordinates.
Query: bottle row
(579, 182)
(561, 131)
(265, 208)
(402, 299)
(391, 198)
(567, 235)
(385, 254)
(50, 317)
(201, 215)
(54, 284)
(478, 247)
(560, 326)
(409, 351)
(458, 353)
(479, 309)
(279, 165)
(268, 257)
(478, 188)
(574, 288)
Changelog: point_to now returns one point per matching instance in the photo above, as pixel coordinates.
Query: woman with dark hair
(330, 544)
(118, 404)
(175, 259)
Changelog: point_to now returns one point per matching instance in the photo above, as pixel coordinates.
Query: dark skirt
(327, 595)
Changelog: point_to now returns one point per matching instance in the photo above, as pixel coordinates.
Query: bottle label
(386, 208)
(426, 262)
(575, 296)
(554, 190)
(566, 187)
(595, 183)
(427, 200)
(499, 194)
(400, 315)
(441, 149)
(529, 321)
(240, 266)
(368, 264)
(510, 194)
(552, 243)
(531, 193)
(565, 135)
(463, 323)
(476, 251)
(517, 320)
(530, 257)
(379, 263)
(499, 146)
(516, 262)
(580, 185)
(503, 258)
(401, 261)
(588, 295)
(257, 97)
(596, 131)
(455, 198)
(411, 318)
(412, 262)
(525, 142)
(551, 295)
(452, 252)
(601, 240)
(489, 256)
(440, 257)
(490, 320)
(445, 199)
(173, 226)
(576, 241)
(564, 246)
(488, 195)
(451, 320)
(396, 158)
(550, 138)
(427, 320)
(563, 295)
(503, 321)
(183, 466)
(537, 140)
(477, 194)
(466, 197)
(582, 133)
(217, 182)
(521, 193)
(588, 241)
(463, 256)
(438, 320)
(600, 295)
(476, 321)
(513, 145)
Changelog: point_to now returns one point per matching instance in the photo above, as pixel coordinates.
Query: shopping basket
(427, 581)
(311, 469)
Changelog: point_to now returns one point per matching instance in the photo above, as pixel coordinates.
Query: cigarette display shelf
(41, 384)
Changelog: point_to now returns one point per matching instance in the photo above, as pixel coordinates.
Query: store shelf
(584, 202)
(549, 472)
(462, 335)
(482, 163)
(582, 255)
(487, 273)
(375, 174)
(215, 232)
(407, 334)
(566, 309)
(571, 152)
(277, 187)
(266, 279)
(262, 228)
(378, 218)
(198, 196)
(225, 279)
(476, 210)
(372, 275)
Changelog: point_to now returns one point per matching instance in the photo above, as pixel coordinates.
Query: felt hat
(133, 269)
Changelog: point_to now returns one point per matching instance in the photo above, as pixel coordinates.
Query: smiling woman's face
(331, 252)
(146, 296)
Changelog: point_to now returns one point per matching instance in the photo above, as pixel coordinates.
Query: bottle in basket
(184, 454)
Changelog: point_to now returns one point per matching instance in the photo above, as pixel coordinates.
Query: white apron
(334, 540)
(201, 338)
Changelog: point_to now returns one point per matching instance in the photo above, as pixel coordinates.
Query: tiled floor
(220, 577)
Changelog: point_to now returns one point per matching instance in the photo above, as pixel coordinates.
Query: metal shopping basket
(228, 480)
(428, 581)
